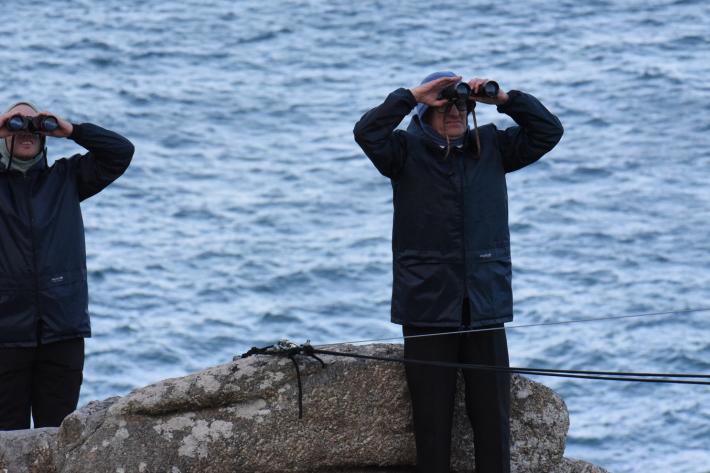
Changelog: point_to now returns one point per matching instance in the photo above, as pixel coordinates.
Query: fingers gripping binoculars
(460, 93)
(32, 124)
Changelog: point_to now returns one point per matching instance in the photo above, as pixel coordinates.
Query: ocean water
(249, 214)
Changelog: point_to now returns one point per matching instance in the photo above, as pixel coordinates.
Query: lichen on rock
(243, 416)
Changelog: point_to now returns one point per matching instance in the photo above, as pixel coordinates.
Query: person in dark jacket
(43, 291)
(451, 251)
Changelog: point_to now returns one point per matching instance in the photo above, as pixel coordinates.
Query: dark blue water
(249, 214)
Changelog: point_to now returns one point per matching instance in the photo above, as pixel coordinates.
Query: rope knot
(287, 349)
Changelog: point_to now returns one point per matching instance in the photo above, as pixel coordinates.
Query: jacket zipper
(34, 259)
(462, 168)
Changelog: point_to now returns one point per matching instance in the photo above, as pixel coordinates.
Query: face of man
(447, 121)
(27, 145)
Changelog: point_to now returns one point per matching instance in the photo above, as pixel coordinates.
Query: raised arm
(108, 157)
(538, 131)
(376, 134)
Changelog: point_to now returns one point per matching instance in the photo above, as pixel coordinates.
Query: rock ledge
(243, 417)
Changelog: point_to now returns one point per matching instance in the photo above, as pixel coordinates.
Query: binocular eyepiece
(459, 94)
(31, 124)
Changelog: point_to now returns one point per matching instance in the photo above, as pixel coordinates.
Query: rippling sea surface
(249, 213)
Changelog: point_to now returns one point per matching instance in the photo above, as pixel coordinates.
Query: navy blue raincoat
(450, 236)
(43, 287)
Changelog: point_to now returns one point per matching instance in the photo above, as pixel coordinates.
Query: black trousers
(43, 381)
(432, 390)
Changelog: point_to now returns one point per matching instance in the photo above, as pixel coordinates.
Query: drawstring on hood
(433, 135)
(7, 159)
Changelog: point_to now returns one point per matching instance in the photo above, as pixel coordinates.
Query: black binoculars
(31, 124)
(459, 94)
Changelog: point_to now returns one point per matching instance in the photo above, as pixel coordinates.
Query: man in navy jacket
(43, 286)
(451, 251)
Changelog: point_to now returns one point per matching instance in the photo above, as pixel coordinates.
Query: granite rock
(243, 417)
(28, 451)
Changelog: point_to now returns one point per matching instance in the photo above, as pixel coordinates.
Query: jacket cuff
(405, 94)
(77, 131)
(512, 97)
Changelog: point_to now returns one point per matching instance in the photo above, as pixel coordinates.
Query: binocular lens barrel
(48, 124)
(489, 89)
(15, 123)
(463, 90)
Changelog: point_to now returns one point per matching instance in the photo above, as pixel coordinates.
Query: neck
(19, 164)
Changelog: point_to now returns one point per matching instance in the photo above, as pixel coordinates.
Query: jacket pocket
(64, 301)
(489, 277)
(426, 290)
(17, 316)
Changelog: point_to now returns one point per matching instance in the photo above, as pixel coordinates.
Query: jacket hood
(22, 165)
(419, 126)
(422, 107)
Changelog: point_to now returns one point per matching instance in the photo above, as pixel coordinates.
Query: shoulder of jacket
(67, 161)
(63, 163)
(487, 128)
(488, 131)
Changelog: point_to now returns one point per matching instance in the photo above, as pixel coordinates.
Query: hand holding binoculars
(37, 124)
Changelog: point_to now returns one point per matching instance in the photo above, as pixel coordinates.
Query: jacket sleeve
(108, 157)
(538, 131)
(376, 134)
